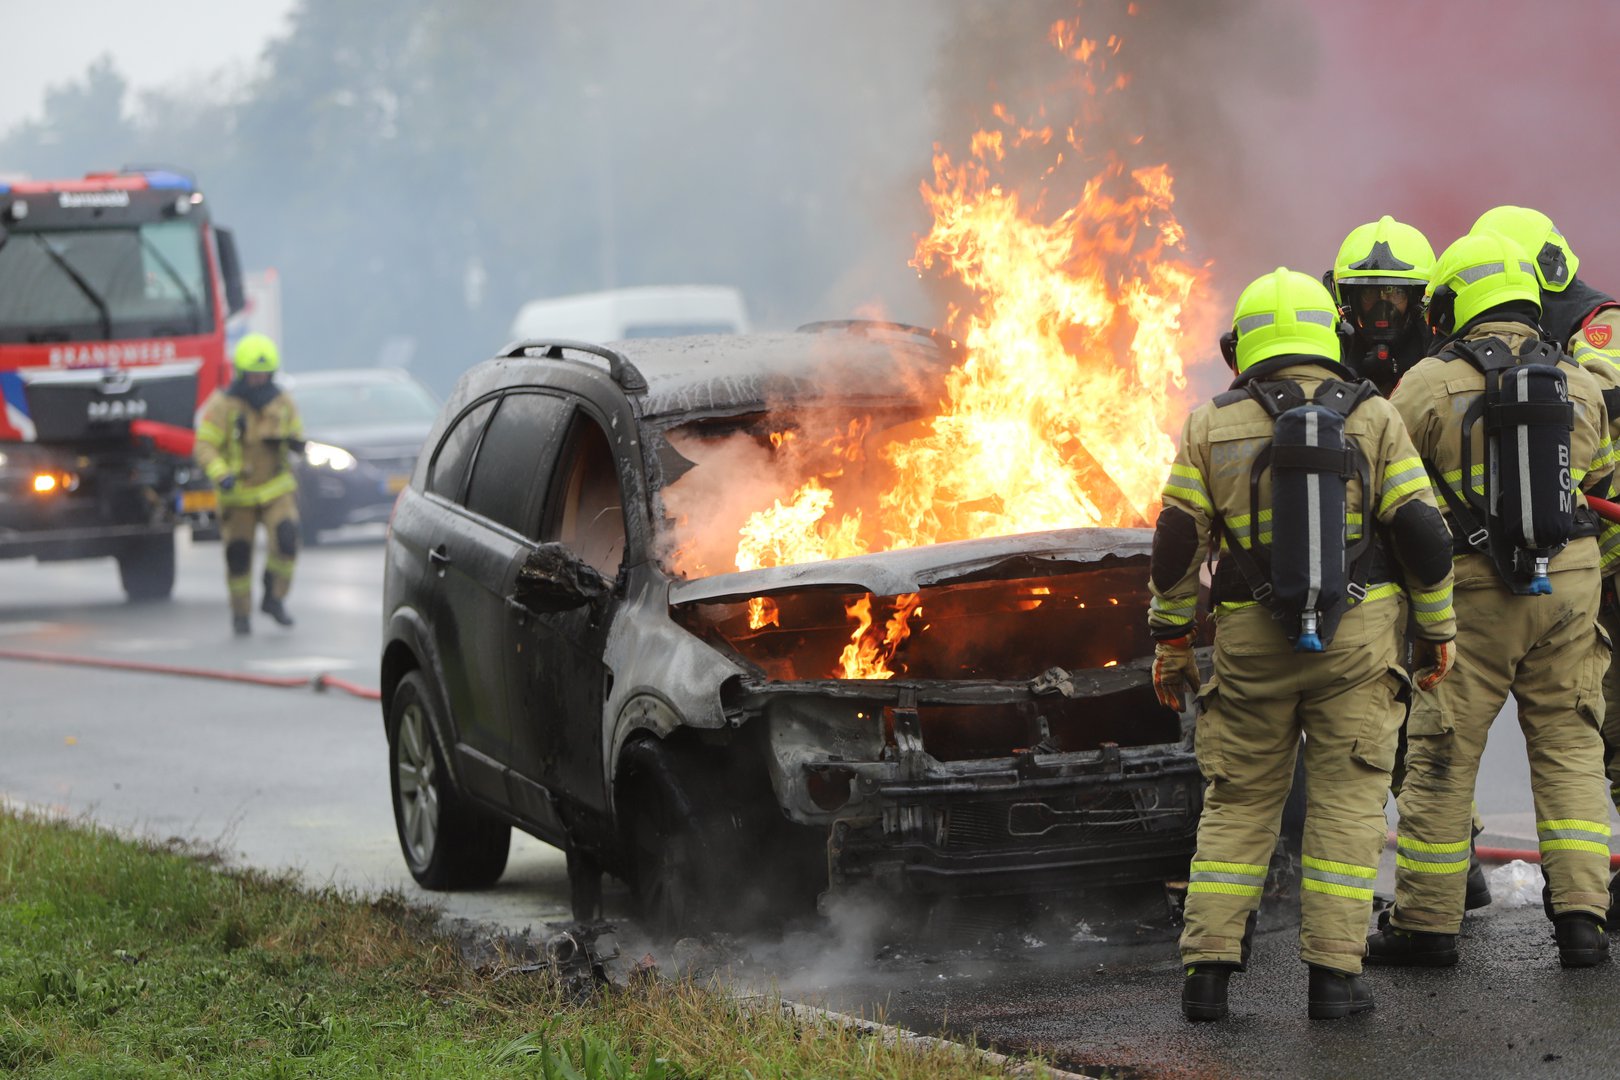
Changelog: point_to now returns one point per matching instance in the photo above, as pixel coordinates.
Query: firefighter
(243, 441)
(1514, 638)
(1348, 699)
(1378, 279)
(1585, 323)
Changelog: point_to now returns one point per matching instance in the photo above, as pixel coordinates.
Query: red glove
(1434, 660)
(1175, 672)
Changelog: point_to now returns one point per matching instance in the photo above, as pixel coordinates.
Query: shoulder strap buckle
(1262, 592)
(1357, 591)
(1479, 538)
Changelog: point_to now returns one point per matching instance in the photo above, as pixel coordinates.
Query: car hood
(891, 573)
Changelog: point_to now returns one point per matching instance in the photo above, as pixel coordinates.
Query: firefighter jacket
(245, 432)
(1595, 345)
(1432, 399)
(1210, 484)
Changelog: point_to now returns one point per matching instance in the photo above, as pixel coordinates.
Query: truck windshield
(105, 283)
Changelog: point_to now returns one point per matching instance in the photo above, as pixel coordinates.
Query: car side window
(448, 474)
(585, 510)
(519, 445)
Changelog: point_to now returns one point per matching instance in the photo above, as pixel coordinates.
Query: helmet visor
(1385, 311)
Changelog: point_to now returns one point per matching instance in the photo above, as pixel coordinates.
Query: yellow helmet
(1282, 313)
(1383, 252)
(256, 352)
(1538, 239)
(1476, 273)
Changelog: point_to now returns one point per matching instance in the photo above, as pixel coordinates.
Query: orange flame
(1060, 411)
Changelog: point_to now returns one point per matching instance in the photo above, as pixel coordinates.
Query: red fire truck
(114, 294)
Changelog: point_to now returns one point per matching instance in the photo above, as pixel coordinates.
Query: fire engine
(114, 295)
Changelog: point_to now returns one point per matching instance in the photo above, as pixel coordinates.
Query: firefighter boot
(1395, 947)
(1479, 889)
(1581, 940)
(271, 605)
(1614, 896)
(1336, 994)
(1203, 995)
(240, 625)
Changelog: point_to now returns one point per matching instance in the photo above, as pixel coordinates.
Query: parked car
(544, 668)
(364, 428)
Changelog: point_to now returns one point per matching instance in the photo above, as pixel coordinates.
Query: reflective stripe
(1380, 592)
(1184, 481)
(1253, 322)
(277, 564)
(1469, 275)
(1348, 880)
(1426, 858)
(1319, 318)
(1239, 524)
(1476, 474)
(1609, 544)
(1573, 834)
(1232, 879)
(1401, 478)
(210, 434)
(216, 469)
(258, 494)
(1585, 352)
(1173, 612)
(1431, 607)
(237, 585)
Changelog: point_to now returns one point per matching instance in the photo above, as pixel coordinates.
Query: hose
(319, 682)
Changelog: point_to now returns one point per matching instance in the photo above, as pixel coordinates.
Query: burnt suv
(555, 660)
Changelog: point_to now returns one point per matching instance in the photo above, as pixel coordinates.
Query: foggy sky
(1285, 125)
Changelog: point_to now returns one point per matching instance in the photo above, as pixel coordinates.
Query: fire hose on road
(319, 682)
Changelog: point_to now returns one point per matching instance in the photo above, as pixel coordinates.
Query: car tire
(448, 844)
(146, 567)
(682, 842)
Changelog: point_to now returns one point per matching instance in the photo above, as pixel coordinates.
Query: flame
(867, 655)
(1059, 413)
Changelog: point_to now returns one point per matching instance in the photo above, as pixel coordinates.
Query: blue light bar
(164, 180)
(4, 187)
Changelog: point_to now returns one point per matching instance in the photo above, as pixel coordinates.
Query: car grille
(1038, 822)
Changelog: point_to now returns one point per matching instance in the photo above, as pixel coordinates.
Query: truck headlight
(322, 456)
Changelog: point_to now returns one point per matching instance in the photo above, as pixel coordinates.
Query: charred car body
(544, 668)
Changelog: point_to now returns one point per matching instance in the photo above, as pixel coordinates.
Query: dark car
(364, 428)
(544, 667)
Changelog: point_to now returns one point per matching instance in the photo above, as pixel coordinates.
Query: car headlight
(322, 456)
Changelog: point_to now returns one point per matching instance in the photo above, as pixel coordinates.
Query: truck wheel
(146, 567)
(447, 843)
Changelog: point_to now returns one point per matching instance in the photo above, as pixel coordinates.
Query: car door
(560, 680)
(471, 561)
(504, 493)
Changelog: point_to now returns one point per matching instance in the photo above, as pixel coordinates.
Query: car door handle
(439, 556)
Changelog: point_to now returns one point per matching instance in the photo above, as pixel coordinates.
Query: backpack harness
(1308, 576)
(1526, 514)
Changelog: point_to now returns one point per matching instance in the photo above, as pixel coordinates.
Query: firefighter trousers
(237, 527)
(1349, 702)
(1548, 652)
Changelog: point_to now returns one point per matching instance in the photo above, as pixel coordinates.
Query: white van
(647, 311)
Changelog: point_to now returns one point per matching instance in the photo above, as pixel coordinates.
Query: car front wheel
(447, 843)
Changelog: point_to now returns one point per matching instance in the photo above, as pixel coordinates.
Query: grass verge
(121, 959)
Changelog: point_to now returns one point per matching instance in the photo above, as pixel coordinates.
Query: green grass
(126, 960)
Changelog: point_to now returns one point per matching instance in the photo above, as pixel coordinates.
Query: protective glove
(1434, 659)
(1175, 672)
(227, 482)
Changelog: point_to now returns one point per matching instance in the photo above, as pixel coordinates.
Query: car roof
(731, 374)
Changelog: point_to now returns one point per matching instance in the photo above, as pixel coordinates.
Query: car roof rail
(945, 342)
(626, 374)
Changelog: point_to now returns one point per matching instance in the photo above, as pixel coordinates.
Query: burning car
(577, 645)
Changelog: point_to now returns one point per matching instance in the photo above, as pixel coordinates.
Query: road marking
(301, 664)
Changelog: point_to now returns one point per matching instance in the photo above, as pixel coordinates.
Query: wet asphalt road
(292, 779)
